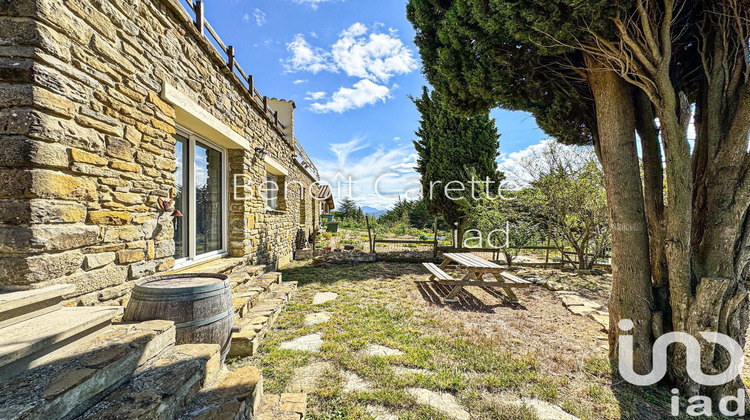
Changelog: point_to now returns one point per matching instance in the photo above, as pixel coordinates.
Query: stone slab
(294, 403)
(158, 389)
(382, 351)
(440, 401)
(310, 342)
(323, 297)
(600, 317)
(380, 413)
(75, 378)
(545, 410)
(576, 300)
(581, 310)
(305, 378)
(34, 335)
(18, 299)
(317, 318)
(237, 394)
(353, 383)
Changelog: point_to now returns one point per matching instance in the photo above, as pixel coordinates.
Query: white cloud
(377, 57)
(315, 96)
(246, 17)
(300, 81)
(392, 169)
(313, 3)
(306, 58)
(359, 52)
(260, 17)
(363, 93)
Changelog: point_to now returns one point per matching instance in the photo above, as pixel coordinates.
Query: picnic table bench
(476, 268)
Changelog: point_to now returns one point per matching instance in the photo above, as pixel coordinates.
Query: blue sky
(349, 65)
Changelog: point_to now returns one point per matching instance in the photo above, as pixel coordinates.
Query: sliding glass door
(201, 197)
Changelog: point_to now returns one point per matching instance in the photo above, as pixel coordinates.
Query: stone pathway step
(245, 275)
(440, 401)
(287, 406)
(33, 338)
(78, 377)
(237, 394)
(259, 319)
(246, 295)
(161, 388)
(579, 305)
(18, 306)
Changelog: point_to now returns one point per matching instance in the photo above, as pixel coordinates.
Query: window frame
(189, 166)
(271, 177)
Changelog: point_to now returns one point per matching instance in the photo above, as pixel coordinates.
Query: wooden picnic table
(476, 268)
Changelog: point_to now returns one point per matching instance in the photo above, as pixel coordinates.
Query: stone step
(244, 275)
(237, 394)
(162, 387)
(18, 306)
(81, 374)
(224, 265)
(259, 319)
(246, 295)
(288, 406)
(244, 301)
(23, 342)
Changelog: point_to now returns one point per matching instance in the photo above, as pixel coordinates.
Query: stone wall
(88, 144)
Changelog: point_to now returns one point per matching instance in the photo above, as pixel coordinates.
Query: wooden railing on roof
(202, 25)
(198, 7)
(305, 160)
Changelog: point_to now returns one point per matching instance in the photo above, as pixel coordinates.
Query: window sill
(191, 265)
(275, 211)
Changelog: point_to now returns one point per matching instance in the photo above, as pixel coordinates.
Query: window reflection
(180, 200)
(208, 199)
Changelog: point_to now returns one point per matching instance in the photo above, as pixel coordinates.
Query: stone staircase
(258, 301)
(73, 362)
(34, 325)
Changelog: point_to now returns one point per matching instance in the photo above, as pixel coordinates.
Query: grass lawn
(484, 351)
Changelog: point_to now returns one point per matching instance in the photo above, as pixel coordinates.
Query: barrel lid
(183, 283)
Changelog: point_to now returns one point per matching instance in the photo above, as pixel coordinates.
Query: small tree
(416, 211)
(510, 219)
(348, 208)
(567, 193)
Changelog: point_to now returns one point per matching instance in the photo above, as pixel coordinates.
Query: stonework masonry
(88, 146)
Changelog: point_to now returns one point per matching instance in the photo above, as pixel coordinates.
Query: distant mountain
(372, 211)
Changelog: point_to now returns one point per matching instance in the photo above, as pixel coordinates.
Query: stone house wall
(88, 147)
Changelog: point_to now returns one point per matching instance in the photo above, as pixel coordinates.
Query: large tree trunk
(653, 182)
(631, 296)
(722, 196)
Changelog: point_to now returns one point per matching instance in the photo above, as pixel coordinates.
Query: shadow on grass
(435, 292)
(308, 274)
(646, 402)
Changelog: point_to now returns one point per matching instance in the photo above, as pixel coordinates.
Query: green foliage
(451, 147)
(567, 192)
(413, 213)
(350, 214)
(514, 224)
(483, 54)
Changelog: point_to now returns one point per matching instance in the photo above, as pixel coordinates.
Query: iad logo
(700, 405)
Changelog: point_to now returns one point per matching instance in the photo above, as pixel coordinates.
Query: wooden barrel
(199, 304)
